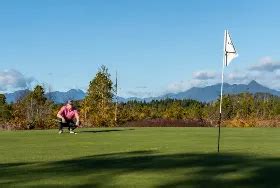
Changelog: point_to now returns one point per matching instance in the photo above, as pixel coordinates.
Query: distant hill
(211, 93)
(57, 96)
(12, 97)
(203, 94)
(62, 97)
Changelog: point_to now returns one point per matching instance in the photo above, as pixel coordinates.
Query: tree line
(34, 110)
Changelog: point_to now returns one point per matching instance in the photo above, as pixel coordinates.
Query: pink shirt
(68, 114)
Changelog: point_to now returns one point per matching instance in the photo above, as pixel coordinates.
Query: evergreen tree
(2, 99)
(98, 107)
(5, 110)
(33, 110)
(39, 95)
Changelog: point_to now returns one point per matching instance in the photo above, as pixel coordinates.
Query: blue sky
(157, 46)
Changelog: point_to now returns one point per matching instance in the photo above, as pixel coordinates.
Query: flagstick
(222, 84)
(220, 118)
(116, 105)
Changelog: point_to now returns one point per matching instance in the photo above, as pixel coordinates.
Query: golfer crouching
(68, 117)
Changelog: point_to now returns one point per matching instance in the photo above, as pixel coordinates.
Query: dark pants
(71, 124)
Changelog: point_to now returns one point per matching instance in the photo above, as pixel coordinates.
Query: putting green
(141, 157)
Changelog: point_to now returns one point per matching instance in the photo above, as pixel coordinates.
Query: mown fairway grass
(141, 157)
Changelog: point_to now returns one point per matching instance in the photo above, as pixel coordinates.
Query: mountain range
(203, 94)
(56, 96)
(210, 93)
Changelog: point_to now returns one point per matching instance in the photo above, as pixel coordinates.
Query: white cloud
(177, 87)
(185, 85)
(237, 77)
(141, 87)
(204, 75)
(140, 94)
(13, 79)
(266, 72)
(277, 74)
(266, 65)
(200, 78)
(262, 73)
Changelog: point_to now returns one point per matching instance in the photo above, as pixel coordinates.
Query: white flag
(230, 52)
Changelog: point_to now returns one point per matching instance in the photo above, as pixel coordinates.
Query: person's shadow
(104, 130)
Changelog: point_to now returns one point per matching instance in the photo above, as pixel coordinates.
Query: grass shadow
(196, 170)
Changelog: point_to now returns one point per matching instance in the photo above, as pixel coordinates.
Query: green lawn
(141, 157)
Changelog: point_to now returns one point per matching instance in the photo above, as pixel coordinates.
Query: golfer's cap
(70, 102)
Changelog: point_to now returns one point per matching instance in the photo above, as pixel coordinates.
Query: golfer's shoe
(60, 131)
(72, 132)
